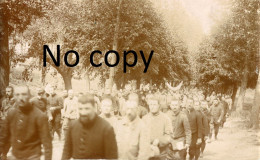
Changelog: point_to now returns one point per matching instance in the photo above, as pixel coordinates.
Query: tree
(54, 31)
(141, 28)
(232, 48)
(91, 25)
(15, 17)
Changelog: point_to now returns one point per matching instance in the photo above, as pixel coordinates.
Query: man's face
(106, 106)
(189, 104)
(70, 95)
(9, 92)
(107, 90)
(131, 110)
(40, 95)
(134, 98)
(197, 105)
(22, 96)
(175, 107)
(64, 94)
(202, 97)
(51, 91)
(86, 111)
(204, 105)
(215, 102)
(154, 106)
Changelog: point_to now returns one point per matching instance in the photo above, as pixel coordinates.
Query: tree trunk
(123, 82)
(67, 80)
(233, 96)
(87, 82)
(4, 52)
(254, 119)
(43, 70)
(115, 44)
(138, 83)
(242, 91)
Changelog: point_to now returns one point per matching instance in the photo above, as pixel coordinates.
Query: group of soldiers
(132, 125)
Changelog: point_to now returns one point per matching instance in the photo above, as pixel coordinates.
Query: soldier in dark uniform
(54, 104)
(195, 119)
(225, 110)
(90, 136)
(206, 127)
(26, 129)
(216, 113)
(8, 102)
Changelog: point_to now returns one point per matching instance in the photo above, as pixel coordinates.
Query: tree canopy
(231, 50)
(89, 26)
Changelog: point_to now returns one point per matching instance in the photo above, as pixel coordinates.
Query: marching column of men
(164, 126)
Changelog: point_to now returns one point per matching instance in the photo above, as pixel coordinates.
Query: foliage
(232, 45)
(89, 26)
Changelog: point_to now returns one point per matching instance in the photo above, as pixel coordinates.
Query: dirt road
(234, 143)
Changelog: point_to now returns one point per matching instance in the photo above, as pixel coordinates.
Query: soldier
(26, 127)
(121, 101)
(7, 104)
(54, 103)
(205, 123)
(163, 102)
(142, 111)
(181, 137)
(225, 107)
(133, 139)
(70, 110)
(229, 101)
(216, 113)
(107, 110)
(39, 101)
(90, 136)
(195, 119)
(160, 126)
(64, 96)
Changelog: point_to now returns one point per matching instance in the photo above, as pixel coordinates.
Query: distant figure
(26, 127)
(8, 102)
(90, 136)
(40, 101)
(54, 103)
(225, 108)
(64, 95)
(70, 110)
(107, 111)
(205, 124)
(216, 113)
(121, 101)
(229, 101)
(142, 111)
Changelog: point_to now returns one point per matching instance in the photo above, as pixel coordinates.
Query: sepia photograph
(129, 79)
